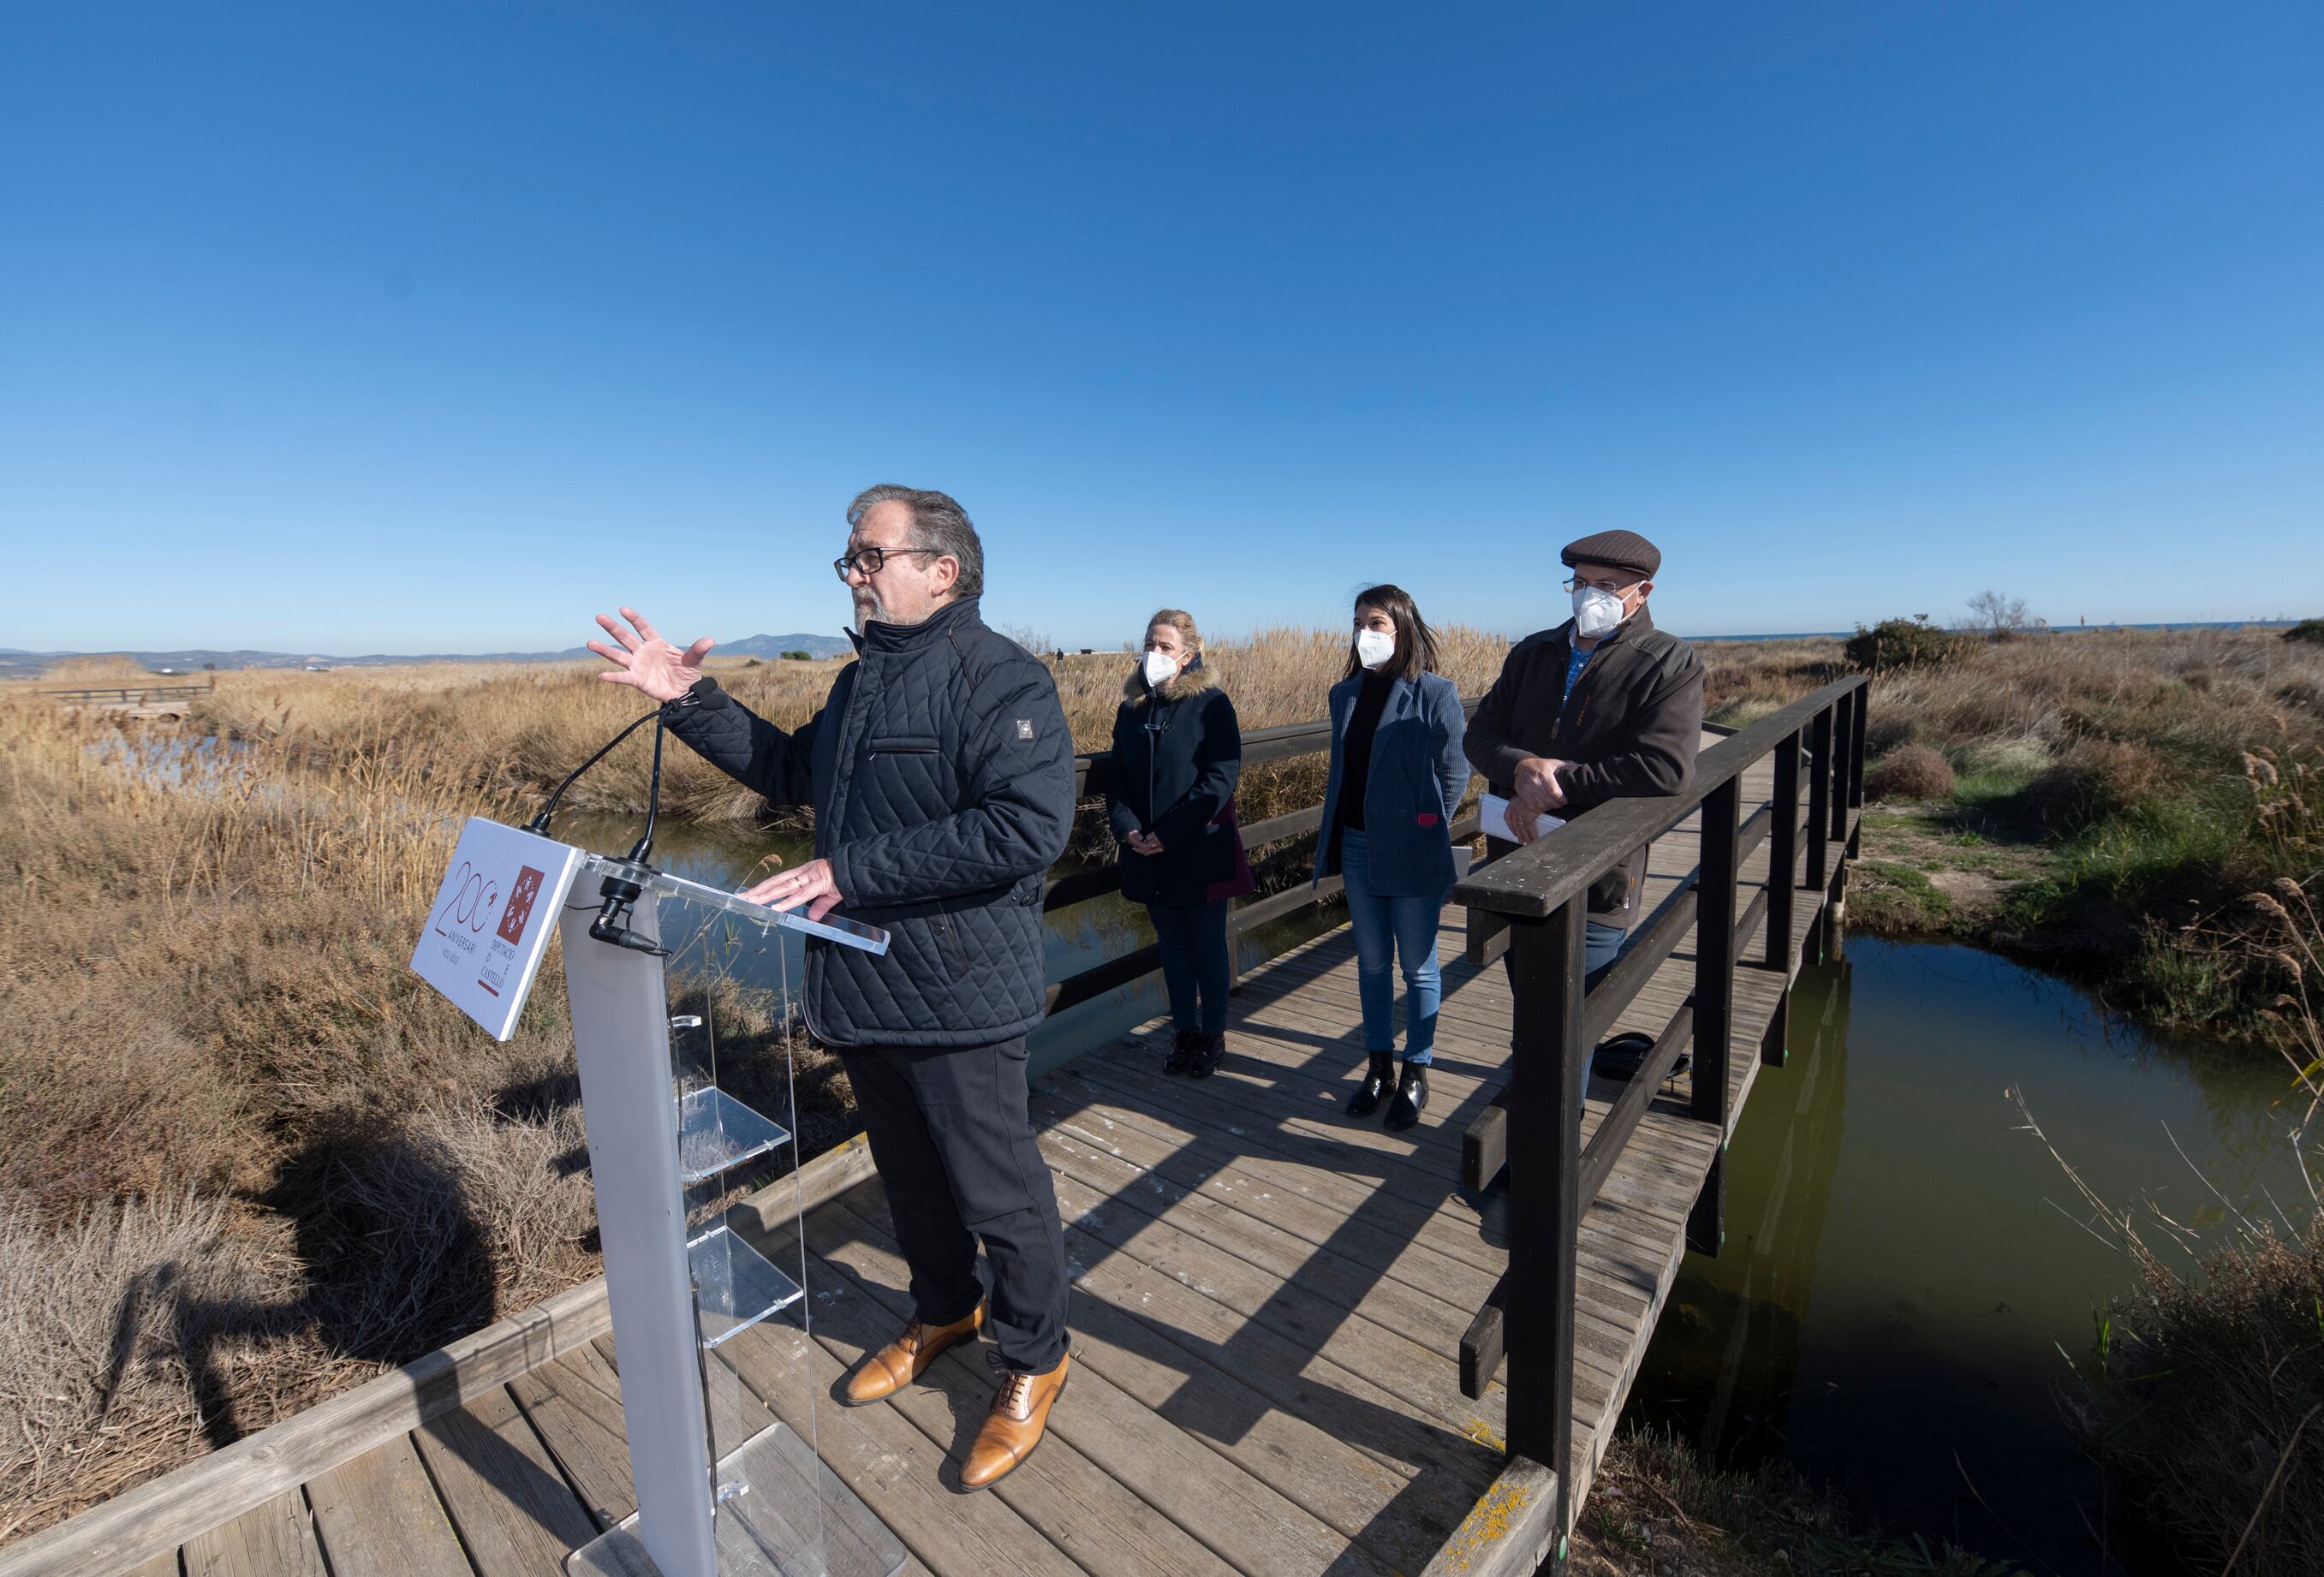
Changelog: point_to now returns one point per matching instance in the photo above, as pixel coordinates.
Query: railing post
(1544, 1191)
(1782, 857)
(1714, 998)
(1843, 748)
(1819, 871)
(1855, 767)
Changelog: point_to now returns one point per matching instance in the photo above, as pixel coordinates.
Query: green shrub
(799, 657)
(2020, 759)
(1900, 643)
(2309, 631)
(1885, 896)
(1912, 772)
(2095, 781)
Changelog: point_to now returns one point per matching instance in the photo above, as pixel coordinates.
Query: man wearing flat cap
(1605, 706)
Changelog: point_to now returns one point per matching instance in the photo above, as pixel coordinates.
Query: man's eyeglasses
(871, 561)
(1612, 587)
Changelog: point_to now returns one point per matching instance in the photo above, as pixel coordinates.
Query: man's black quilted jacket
(942, 776)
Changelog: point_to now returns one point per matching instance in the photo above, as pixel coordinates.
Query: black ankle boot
(1182, 1052)
(1210, 1050)
(1377, 1082)
(1411, 1095)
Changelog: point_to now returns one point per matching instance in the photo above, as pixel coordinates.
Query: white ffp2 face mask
(1596, 611)
(1161, 668)
(1374, 647)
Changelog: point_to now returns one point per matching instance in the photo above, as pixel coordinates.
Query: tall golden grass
(231, 1120)
(245, 1157)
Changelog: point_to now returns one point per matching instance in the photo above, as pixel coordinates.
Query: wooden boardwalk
(1268, 1309)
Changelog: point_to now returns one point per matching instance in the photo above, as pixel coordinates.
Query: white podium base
(767, 1492)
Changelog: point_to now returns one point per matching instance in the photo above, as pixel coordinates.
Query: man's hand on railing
(1534, 795)
(1536, 784)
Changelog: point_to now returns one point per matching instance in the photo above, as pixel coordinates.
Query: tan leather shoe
(1020, 1413)
(907, 1358)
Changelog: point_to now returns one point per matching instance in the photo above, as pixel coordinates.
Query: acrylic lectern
(681, 1014)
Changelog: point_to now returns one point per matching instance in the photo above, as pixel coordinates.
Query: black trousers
(953, 1141)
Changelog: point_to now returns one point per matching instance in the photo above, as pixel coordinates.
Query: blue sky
(436, 326)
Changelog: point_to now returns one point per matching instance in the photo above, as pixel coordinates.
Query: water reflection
(1907, 1277)
(173, 761)
(1084, 934)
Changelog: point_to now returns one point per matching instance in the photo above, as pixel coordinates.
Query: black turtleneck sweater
(1356, 756)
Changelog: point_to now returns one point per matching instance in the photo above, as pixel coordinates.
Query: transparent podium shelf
(716, 1132)
(767, 1496)
(735, 1287)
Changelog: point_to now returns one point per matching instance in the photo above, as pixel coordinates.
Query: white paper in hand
(1493, 819)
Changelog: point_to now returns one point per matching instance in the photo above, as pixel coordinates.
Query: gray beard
(870, 611)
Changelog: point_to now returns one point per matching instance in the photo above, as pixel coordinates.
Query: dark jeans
(1600, 946)
(953, 1141)
(1599, 943)
(1195, 964)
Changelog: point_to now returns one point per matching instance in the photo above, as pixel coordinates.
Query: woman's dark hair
(1416, 643)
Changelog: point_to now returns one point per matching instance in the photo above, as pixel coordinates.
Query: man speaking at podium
(942, 776)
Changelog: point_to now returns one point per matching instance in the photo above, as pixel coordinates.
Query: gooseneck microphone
(539, 824)
(704, 693)
(624, 882)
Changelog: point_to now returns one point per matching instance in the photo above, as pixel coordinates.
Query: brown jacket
(1630, 730)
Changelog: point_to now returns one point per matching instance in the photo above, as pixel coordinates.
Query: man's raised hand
(645, 661)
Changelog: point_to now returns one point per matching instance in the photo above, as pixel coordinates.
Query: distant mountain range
(16, 663)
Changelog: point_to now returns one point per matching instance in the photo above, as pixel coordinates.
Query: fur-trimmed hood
(1184, 686)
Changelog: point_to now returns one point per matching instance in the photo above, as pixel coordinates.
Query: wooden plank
(573, 1404)
(1328, 1441)
(1384, 1232)
(788, 1475)
(1074, 1503)
(1241, 1520)
(377, 1516)
(876, 1454)
(1304, 1158)
(164, 1565)
(275, 1539)
(1393, 1359)
(1510, 1531)
(167, 1512)
(1351, 1281)
(513, 1510)
(1268, 1225)
(1263, 1324)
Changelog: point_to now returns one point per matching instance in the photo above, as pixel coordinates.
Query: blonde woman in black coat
(1177, 752)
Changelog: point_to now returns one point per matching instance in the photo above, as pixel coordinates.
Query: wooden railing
(1532, 902)
(1259, 746)
(127, 694)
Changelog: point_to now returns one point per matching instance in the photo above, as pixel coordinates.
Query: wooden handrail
(1535, 881)
(127, 695)
(1537, 896)
(1285, 742)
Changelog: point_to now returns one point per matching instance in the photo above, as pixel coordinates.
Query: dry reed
(222, 1067)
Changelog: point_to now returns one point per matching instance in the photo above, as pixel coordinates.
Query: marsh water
(1908, 1283)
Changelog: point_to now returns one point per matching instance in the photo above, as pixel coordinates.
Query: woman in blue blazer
(1398, 775)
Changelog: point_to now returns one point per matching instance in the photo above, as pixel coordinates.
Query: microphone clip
(620, 889)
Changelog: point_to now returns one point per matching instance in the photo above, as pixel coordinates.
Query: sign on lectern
(682, 1035)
